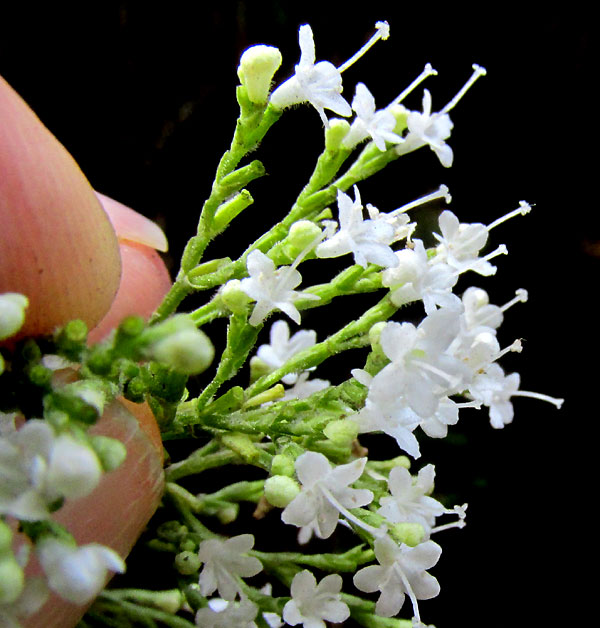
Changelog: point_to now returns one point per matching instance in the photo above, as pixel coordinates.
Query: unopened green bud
(341, 432)
(172, 531)
(335, 133)
(12, 580)
(409, 533)
(257, 67)
(187, 563)
(6, 536)
(242, 445)
(228, 514)
(282, 465)
(12, 313)
(280, 490)
(272, 394)
(233, 297)
(302, 234)
(400, 113)
(110, 451)
(187, 350)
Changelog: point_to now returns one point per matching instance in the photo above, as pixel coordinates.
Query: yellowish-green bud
(242, 445)
(341, 432)
(110, 451)
(409, 533)
(12, 580)
(335, 133)
(400, 113)
(233, 297)
(6, 536)
(187, 563)
(282, 465)
(258, 368)
(12, 313)
(280, 490)
(188, 350)
(302, 234)
(273, 394)
(228, 514)
(257, 67)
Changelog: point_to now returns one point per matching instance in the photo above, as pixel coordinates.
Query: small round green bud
(335, 133)
(302, 234)
(282, 465)
(172, 531)
(280, 490)
(187, 563)
(258, 368)
(132, 326)
(110, 451)
(12, 313)
(341, 432)
(409, 533)
(12, 580)
(187, 350)
(228, 514)
(257, 67)
(6, 536)
(233, 297)
(375, 333)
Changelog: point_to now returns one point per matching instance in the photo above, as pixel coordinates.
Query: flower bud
(400, 113)
(282, 465)
(187, 563)
(12, 313)
(233, 297)
(187, 350)
(410, 534)
(12, 580)
(280, 490)
(6, 536)
(341, 432)
(335, 133)
(257, 66)
(110, 451)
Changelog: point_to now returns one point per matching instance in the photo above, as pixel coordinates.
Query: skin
(78, 254)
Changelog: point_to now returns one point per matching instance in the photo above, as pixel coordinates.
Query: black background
(143, 97)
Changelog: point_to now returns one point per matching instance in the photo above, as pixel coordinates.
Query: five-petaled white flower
(272, 289)
(77, 574)
(224, 562)
(368, 240)
(282, 347)
(401, 571)
(313, 604)
(379, 125)
(426, 128)
(37, 467)
(227, 614)
(325, 493)
(410, 500)
(320, 84)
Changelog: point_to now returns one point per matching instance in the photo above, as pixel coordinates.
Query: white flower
(225, 562)
(416, 278)
(459, 245)
(410, 501)
(319, 84)
(38, 467)
(272, 289)
(379, 125)
(231, 615)
(388, 411)
(420, 368)
(282, 347)
(428, 128)
(401, 571)
(325, 493)
(368, 240)
(77, 574)
(313, 604)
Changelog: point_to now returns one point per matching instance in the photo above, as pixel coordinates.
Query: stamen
(376, 532)
(452, 381)
(382, 32)
(427, 71)
(411, 593)
(521, 297)
(477, 72)
(441, 192)
(523, 209)
(533, 395)
(515, 347)
(459, 523)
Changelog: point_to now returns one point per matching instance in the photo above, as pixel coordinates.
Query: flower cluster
(301, 432)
